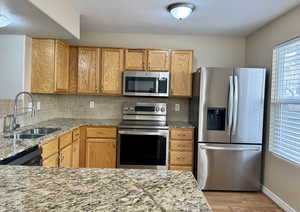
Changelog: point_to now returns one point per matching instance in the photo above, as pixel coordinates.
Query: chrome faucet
(14, 124)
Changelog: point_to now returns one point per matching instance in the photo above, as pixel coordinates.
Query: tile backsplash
(78, 106)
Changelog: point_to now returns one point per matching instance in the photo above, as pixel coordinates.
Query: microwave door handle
(157, 82)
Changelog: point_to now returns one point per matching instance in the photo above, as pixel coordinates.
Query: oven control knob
(131, 108)
(157, 109)
(163, 109)
(126, 108)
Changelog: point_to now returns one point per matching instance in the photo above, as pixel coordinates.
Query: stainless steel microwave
(142, 83)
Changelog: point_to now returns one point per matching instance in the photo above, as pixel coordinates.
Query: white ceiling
(27, 19)
(212, 17)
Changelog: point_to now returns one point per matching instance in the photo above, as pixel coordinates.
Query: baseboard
(286, 207)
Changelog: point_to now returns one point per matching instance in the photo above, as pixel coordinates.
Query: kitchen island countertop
(68, 189)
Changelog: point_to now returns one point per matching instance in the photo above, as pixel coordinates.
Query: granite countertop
(51, 189)
(180, 124)
(9, 147)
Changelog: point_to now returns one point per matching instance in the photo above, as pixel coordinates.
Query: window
(285, 101)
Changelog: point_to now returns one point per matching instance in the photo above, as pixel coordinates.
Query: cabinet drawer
(181, 158)
(65, 140)
(182, 145)
(101, 132)
(181, 168)
(182, 134)
(76, 134)
(49, 148)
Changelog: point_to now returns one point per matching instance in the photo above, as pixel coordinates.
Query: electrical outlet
(177, 107)
(38, 105)
(92, 104)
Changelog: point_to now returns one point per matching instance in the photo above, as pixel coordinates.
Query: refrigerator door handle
(231, 148)
(230, 104)
(236, 104)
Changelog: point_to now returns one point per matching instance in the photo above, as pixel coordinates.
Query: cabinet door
(101, 153)
(49, 148)
(158, 60)
(66, 157)
(61, 66)
(52, 161)
(112, 65)
(75, 154)
(88, 70)
(42, 72)
(135, 59)
(181, 73)
(73, 69)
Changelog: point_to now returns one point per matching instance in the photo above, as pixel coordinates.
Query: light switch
(92, 104)
(177, 107)
(38, 105)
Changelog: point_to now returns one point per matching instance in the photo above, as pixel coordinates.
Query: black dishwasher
(29, 157)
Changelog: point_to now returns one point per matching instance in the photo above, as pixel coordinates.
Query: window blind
(285, 101)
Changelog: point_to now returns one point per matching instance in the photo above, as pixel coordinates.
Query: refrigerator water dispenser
(216, 119)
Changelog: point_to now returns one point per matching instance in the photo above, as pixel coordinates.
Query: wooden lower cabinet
(51, 161)
(101, 153)
(182, 168)
(75, 154)
(66, 157)
(181, 155)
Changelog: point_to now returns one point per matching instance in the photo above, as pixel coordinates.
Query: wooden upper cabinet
(181, 73)
(112, 65)
(88, 70)
(50, 66)
(73, 69)
(158, 60)
(43, 66)
(135, 59)
(61, 66)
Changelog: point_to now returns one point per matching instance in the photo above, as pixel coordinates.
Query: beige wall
(62, 12)
(280, 176)
(217, 51)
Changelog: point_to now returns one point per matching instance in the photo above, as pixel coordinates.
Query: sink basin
(24, 136)
(33, 133)
(39, 131)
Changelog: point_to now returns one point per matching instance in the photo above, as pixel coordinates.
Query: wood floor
(240, 202)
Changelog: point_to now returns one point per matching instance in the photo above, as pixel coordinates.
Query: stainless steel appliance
(142, 83)
(30, 157)
(227, 109)
(143, 136)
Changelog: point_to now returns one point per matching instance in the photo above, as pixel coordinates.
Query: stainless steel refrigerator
(227, 109)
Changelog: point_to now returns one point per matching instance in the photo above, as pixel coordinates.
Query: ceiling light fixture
(4, 21)
(181, 10)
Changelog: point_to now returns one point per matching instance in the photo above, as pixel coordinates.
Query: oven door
(140, 148)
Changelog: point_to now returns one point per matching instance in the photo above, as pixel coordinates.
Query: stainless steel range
(143, 136)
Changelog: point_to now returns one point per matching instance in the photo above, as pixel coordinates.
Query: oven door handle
(144, 132)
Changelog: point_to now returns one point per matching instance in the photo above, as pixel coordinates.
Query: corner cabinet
(181, 73)
(50, 66)
(112, 65)
(101, 147)
(88, 70)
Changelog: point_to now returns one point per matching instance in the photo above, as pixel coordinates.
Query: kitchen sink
(33, 133)
(39, 131)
